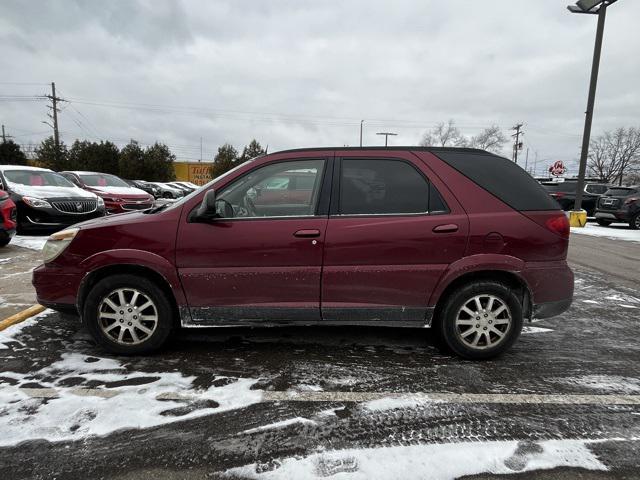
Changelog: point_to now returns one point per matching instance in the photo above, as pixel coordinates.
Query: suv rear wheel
(481, 320)
(634, 223)
(603, 223)
(128, 314)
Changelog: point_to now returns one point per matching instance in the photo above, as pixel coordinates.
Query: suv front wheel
(634, 223)
(481, 320)
(128, 314)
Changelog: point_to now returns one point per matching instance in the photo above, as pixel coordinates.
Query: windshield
(102, 180)
(36, 178)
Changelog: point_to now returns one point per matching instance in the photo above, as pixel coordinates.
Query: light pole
(578, 217)
(361, 122)
(386, 136)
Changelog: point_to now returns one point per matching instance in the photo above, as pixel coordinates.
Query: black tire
(103, 289)
(446, 321)
(634, 223)
(4, 241)
(603, 223)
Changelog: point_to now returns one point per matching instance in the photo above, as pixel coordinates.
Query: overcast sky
(304, 73)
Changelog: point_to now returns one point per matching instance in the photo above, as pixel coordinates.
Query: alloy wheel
(127, 316)
(483, 322)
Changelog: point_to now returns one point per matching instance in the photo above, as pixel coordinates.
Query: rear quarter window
(502, 178)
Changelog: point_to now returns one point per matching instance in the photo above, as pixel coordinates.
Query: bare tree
(444, 135)
(491, 139)
(612, 155)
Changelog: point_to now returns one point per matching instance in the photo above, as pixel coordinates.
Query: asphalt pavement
(336, 402)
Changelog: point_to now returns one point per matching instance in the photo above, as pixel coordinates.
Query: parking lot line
(21, 316)
(359, 397)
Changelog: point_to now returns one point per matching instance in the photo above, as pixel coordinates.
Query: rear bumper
(551, 309)
(551, 286)
(622, 215)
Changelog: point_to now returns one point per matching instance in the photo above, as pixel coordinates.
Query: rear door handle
(307, 233)
(449, 227)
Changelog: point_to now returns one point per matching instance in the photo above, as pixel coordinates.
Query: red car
(459, 240)
(118, 195)
(8, 217)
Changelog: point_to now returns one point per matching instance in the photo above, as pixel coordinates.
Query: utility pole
(386, 136)
(54, 116)
(526, 161)
(361, 122)
(4, 138)
(516, 144)
(200, 149)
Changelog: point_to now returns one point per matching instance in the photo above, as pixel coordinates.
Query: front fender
(139, 258)
(477, 263)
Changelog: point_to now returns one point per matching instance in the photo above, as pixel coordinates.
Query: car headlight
(36, 202)
(114, 199)
(100, 202)
(57, 243)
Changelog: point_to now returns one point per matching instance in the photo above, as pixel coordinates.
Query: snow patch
(613, 233)
(605, 383)
(433, 462)
(391, 403)
(34, 243)
(528, 329)
(138, 404)
(281, 424)
(10, 334)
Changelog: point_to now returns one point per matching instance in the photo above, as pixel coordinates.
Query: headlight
(109, 199)
(57, 243)
(100, 202)
(36, 202)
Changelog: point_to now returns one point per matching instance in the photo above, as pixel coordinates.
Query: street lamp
(386, 136)
(578, 217)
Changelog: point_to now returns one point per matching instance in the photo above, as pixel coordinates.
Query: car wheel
(4, 241)
(481, 320)
(128, 314)
(634, 223)
(603, 223)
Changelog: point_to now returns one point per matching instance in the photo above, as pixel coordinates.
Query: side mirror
(207, 209)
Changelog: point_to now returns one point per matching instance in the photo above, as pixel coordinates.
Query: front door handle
(448, 228)
(307, 233)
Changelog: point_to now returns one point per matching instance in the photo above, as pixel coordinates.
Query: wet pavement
(328, 402)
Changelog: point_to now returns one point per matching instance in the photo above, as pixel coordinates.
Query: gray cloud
(302, 73)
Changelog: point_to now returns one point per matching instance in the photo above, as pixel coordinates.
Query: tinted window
(620, 192)
(502, 178)
(373, 186)
(597, 189)
(278, 190)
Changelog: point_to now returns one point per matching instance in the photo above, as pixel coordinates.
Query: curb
(21, 316)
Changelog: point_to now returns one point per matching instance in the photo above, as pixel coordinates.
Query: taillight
(631, 200)
(559, 225)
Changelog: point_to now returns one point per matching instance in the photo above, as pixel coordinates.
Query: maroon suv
(459, 240)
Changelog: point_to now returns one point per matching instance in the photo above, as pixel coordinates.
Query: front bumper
(47, 219)
(56, 289)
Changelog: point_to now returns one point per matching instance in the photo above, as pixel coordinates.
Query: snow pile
(9, 335)
(144, 400)
(432, 462)
(34, 243)
(613, 232)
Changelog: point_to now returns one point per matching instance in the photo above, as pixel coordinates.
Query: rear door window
(502, 178)
(385, 187)
(620, 192)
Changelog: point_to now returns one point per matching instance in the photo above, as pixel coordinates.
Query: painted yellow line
(21, 316)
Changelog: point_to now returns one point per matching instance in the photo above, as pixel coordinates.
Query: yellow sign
(194, 172)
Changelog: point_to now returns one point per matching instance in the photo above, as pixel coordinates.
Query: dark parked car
(144, 186)
(45, 200)
(620, 204)
(460, 240)
(118, 195)
(8, 217)
(565, 194)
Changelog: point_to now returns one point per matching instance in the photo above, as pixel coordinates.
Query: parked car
(190, 185)
(8, 217)
(565, 194)
(180, 186)
(460, 240)
(45, 200)
(118, 195)
(620, 204)
(144, 186)
(167, 191)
